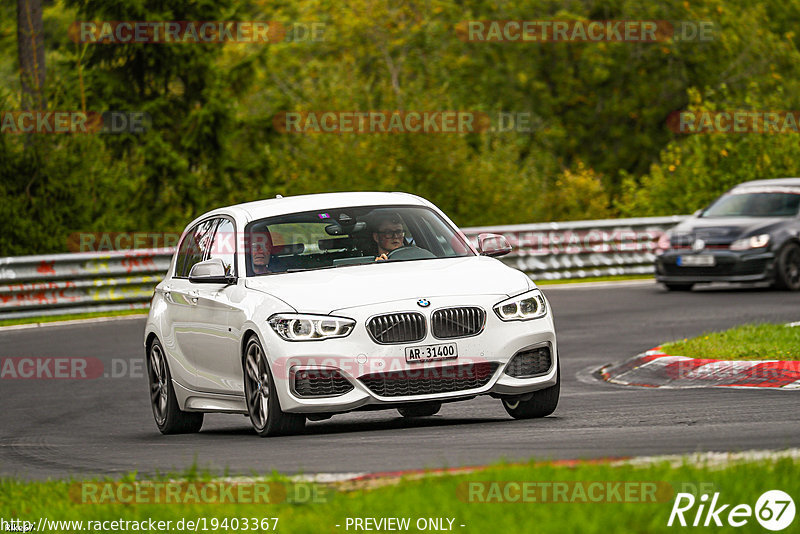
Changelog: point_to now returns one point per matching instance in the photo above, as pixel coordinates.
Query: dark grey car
(749, 234)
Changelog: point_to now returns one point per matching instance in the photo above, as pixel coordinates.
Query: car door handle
(194, 294)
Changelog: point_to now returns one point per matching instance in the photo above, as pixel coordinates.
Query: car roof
(272, 207)
(774, 181)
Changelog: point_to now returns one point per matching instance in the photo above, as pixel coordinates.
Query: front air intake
(319, 383)
(430, 380)
(529, 363)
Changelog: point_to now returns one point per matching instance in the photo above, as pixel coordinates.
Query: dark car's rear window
(762, 202)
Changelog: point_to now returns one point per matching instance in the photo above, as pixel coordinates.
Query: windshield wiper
(301, 270)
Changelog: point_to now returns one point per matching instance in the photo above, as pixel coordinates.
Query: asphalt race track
(58, 428)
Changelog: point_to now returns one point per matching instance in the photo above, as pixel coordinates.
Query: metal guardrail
(583, 249)
(32, 286)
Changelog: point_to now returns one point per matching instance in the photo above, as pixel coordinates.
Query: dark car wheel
(262, 399)
(787, 268)
(420, 410)
(541, 404)
(170, 419)
(679, 287)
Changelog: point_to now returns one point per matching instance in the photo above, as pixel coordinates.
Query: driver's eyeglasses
(397, 233)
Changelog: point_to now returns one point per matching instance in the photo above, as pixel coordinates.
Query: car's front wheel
(262, 399)
(787, 268)
(541, 404)
(170, 419)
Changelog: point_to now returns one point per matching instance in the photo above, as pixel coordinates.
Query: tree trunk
(30, 41)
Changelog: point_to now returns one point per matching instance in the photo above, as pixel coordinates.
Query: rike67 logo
(774, 510)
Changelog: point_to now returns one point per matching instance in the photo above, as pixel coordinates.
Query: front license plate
(427, 353)
(699, 260)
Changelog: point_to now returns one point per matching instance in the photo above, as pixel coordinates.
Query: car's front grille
(404, 327)
(320, 383)
(530, 363)
(430, 380)
(451, 323)
(726, 266)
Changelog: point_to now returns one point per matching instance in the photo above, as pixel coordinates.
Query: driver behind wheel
(388, 235)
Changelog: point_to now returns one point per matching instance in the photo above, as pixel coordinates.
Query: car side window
(194, 248)
(224, 245)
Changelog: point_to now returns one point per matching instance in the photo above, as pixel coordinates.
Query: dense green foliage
(600, 146)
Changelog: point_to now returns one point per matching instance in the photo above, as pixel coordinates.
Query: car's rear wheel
(541, 404)
(170, 419)
(262, 399)
(787, 268)
(425, 409)
(678, 287)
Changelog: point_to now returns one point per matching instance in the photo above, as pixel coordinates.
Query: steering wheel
(410, 252)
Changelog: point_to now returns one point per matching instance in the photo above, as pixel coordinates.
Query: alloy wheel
(258, 385)
(158, 383)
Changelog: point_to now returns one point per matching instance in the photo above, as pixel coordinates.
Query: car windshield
(756, 203)
(341, 237)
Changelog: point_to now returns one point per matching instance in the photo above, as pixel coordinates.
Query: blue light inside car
(324, 216)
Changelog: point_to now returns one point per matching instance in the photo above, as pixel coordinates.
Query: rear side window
(194, 247)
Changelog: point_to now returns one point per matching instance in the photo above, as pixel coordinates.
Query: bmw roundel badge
(424, 303)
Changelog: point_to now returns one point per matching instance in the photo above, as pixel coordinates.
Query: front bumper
(729, 266)
(357, 356)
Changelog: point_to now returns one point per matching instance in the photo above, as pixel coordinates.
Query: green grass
(748, 342)
(448, 497)
(70, 317)
(596, 279)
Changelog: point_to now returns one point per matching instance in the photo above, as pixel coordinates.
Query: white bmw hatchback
(299, 308)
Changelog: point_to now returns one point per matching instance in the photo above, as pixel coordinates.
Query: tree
(30, 41)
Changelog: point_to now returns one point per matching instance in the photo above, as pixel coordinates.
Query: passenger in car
(261, 252)
(388, 235)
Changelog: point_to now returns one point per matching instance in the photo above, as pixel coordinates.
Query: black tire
(425, 409)
(263, 405)
(169, 418)
(787, 268)
(542, 404)
(678, 287)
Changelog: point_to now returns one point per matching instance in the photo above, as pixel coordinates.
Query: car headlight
(756, 241)
(298, 327)
(530, 305)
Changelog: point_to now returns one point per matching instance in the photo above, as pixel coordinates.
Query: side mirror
(210, 272)
(493, 245)
(697, 213)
